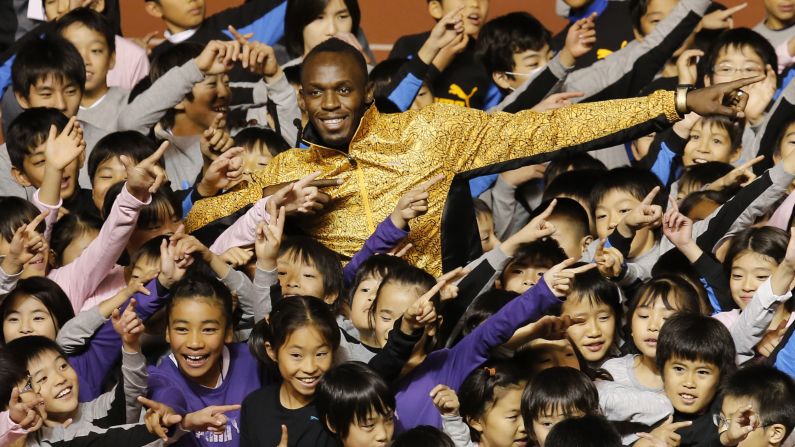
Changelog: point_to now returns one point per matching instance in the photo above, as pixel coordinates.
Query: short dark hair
(575, 184)
(595, 288)
(637, 9)
(16, 212)
(92, 20)
(377, 265)
(327, 263)
(700, 174)
(50, 55)
(288, 315)
(480, 390)
(568, 209)
(274, 143)
(128, 142)
(541, 253)
(348, 393)
(692, 200)
(574, 161)
(559, 388)
(504, 36)
(424, 435)
(767, 241)
(175, 56)
(70, 227)
(340, 48)
(739, 38)
(587, 431)
(29, 130)
(164, 201)
(772, 391)
(205, 287)
(47, 292)
(696, 337)
(27, 349)
(149, 249)
(484, 306)
(300, 13)
(11, 374)
(636, 182)
(734, 127)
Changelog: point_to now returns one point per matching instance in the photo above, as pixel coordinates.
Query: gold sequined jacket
(392, 153)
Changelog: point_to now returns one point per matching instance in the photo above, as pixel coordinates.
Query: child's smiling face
(690, 385)
(709, 142)
(54, 379)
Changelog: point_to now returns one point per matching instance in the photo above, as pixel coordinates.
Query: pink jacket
(9, 430)
(81, 278)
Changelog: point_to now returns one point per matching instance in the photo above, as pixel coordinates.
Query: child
(572, 230)
(423, 435)
(775, 27)
(529, 264)
(586, 431)
(758, 407)
(694, 353)
(554, 395)
(594, 304)
(24, 249)
(356, 405)
(713, 138)
(49, 161)
(485, 220)
(260, 144)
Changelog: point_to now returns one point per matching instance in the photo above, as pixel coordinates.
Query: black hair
(47, 292)
(50, 55)
(204, 287)
(734, 128)
(27, 349)
(586, 431)
(482, 208)
(378, 265)
(544, 253)
(29, 130)
(340, 49)
(92, 20)
(700, 174)
(150, 249)
(274, 143)
(310, 251)
(673, 291)
(348, 393)
(301, 13)
(692, 200)
(559, 389)
(16, 212)
(595, 288)
(739, 38)
(484, 306)
(424, 435)
(568, 209)
(675, 263)
(766, 241)
(637, 9)
(574, 184)
(636, 182)
(771, 391)
(164, 202)
(695, 337)
(780, 137)
(133, 144)
(11, 374)
(68, 228)
(174, 56)
(382, 75)
(293, 74)
(481, 389)
(287, 316)
(575, 161)
(504, 36)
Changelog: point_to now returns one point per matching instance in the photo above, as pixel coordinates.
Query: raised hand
(560, 276)
(609, 261)
(211, 418)
(269, 237)
(580, 39)
(147, 176)
(216, 140)
(686, 65)
(446, 30)
(721, 99)
(25, 244)
(450, 289)
(129, 326)
(759, 96)
(304, 196)
(771, 339)
(741, 424)
(538, 228)
(643, 215)
(218, 57)
(422, 311)
(283, 440)
(741, 175)
(225, 170)
(445, 400)
(24, 414)
(556, 101)
(720, 19)
(524, 174)
(64, 148)
(665, 434)
(173, 263)
(159, 417)
(237, 256)
(414, 203)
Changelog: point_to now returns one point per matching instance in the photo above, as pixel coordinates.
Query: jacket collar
(311, 139)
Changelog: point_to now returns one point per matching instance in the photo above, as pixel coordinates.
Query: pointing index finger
(651, 195)
(154, 158)
(752, 162)
(433, 180)
(304, 182)
(740, 83)
(730, 11)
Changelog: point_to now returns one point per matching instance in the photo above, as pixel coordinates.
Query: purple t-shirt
(450, 367)
(169, 386)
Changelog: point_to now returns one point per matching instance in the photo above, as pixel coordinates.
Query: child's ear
(112, 62)
(585, 242)
(271, 353)
(20, 177)
(181, 105)
(330, 299)
(476, 424)
(435, 9)
(498, 283)
(99, 5)
(707, 81)
(501, 79)
(736, 154)
(153, 9)
(168, 334)
(229, 337)
(330, 428)
(776, 434)
(51, 259)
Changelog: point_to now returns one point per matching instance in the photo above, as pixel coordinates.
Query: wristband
(681, 98)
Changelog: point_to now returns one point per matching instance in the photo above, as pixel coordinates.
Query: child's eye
(625, 210)
(704, 372)
(307, 275)
(737, 277)
(678, 369)
(38, 318)
(210, 330)
(181, 330)
(642, 316)
(322, 354)
(716, 141)
(295, 355)
(762, 277)
(43, 379)
(694, 137)
(386, 319)
(600, 216)
(12, 319)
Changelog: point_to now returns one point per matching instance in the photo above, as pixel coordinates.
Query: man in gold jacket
(380, 157)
